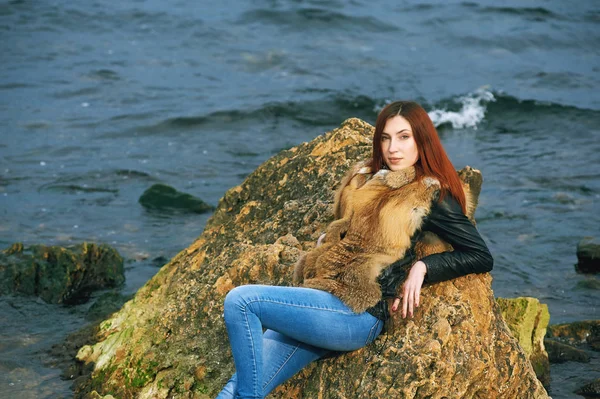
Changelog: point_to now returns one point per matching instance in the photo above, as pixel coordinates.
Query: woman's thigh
(311, 316)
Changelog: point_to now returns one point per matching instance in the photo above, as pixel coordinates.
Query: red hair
(433, 160)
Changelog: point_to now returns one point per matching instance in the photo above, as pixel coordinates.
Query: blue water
(100, 100)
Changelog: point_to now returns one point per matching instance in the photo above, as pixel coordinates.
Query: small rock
(161, 197)
(588, 255)
(591, 390)
(560, 353)
(577, 333)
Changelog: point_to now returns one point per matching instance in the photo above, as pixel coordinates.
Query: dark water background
(99, 100)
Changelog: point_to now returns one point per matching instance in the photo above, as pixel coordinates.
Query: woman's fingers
(412, 289)
(395, 304)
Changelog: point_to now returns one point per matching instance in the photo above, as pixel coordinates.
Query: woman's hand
(411, 290)
(320, 240)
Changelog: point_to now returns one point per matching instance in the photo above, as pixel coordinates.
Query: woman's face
(398, 144)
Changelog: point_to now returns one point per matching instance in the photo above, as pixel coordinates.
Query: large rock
(528, 319)
(170, 340)
(57, 274)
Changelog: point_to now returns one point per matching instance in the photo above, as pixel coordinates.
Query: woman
(347, 312)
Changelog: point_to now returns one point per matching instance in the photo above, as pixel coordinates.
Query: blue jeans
(302, 325)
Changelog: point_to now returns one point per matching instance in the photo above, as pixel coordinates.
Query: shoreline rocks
(588, 255)
(57, 274)
(170, 338)
(163, 197)
(528, 319)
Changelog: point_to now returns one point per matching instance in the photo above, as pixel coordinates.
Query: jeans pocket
(374, 332)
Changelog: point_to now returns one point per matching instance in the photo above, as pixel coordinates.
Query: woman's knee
(237, 298)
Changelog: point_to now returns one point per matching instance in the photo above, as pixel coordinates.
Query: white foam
(472, 111)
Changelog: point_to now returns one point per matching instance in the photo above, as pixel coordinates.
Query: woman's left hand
(411, 290)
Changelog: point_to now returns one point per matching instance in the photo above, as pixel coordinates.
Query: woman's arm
(470, 255)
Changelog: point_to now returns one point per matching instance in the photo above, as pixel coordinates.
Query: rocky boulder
(170, 340)
(57, 274)
(528, 319)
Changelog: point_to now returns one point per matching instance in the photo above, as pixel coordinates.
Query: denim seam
(372, 332)
(281, 367)
(255, 383)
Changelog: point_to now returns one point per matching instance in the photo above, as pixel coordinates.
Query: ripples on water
(99, 101)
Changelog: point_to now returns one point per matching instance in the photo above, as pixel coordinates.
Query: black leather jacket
(470, 255)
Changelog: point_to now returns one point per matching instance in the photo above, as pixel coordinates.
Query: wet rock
(528, 319)
(590, 283)
(577, 333)
(591, 390)
(588, 255)
(105, 305)
(57, 274)
(170, 338)
(163, 197)
(559, 352)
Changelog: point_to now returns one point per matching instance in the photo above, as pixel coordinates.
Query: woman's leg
(309, 316)
(282, 358)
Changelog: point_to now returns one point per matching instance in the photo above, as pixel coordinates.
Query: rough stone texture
(57, 274)
(170, 340)
(585, 332)
(591, 390)
(560, 353)
(528, 319)
(588, 255)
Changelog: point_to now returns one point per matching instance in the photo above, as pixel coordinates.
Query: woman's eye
(404, 137)
(384, 138)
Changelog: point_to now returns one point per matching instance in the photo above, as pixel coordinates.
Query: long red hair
(433, 160)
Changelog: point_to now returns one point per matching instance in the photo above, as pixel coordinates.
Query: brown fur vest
(376, 217)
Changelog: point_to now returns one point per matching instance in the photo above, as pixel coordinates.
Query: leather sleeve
(470, 255)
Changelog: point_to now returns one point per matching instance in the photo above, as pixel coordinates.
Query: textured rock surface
(170, 341)
(585, 332)
(591, 390)
(57, 274)
(528, 319)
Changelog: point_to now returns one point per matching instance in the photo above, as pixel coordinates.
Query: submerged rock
(588, 255)
(105, 305)
(559, 352)
(170, 339)
(57, 274)
(161, 196)
(528, 319)
(591, 390)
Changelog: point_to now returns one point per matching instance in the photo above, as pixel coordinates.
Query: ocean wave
(471, 113)
(328, 112)
(330, 108)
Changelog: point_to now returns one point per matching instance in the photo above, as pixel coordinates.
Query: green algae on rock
(170, 340)
(528, 319)
(57, 274)
(161, 197)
